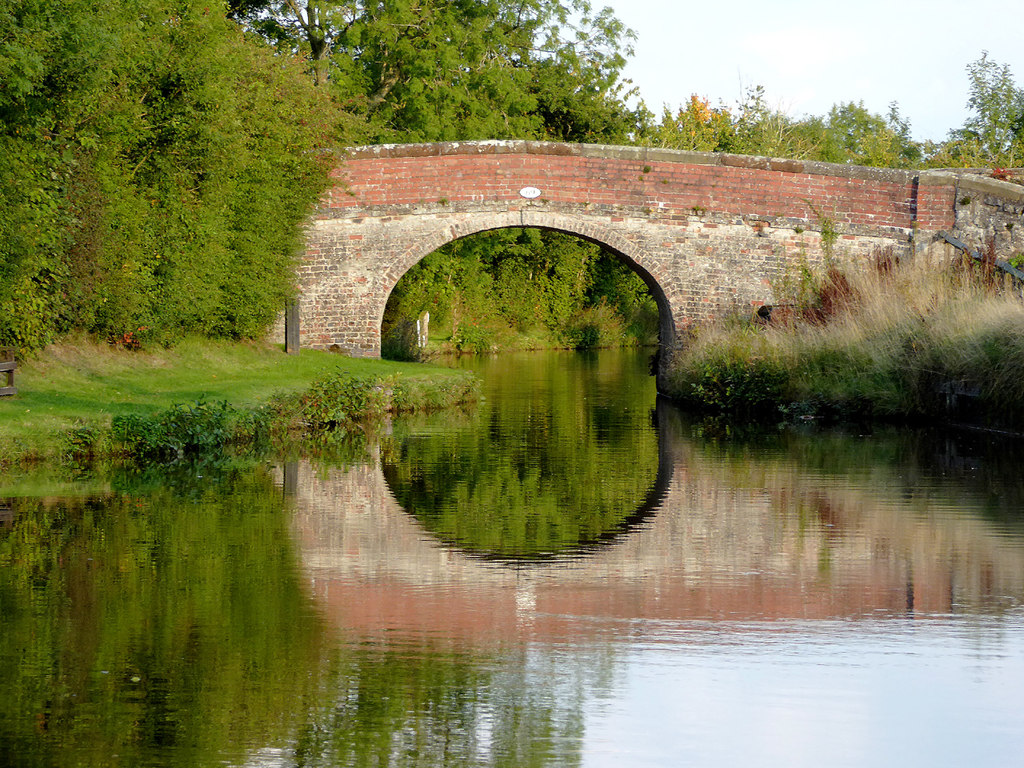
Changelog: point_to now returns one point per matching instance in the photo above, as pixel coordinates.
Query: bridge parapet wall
(670, 183)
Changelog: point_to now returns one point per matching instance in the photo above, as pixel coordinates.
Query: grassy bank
(80, 395)
(908, 343)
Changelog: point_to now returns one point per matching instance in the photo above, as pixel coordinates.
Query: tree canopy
(992, 135)
(429, 70)
(154, 173)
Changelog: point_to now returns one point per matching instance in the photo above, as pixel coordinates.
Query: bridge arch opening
(516, 284)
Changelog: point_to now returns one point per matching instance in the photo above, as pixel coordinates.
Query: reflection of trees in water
(170, 627)
(781, 524)
(901, 461)
(166, 622)
(430, 707)
(560, 459)
(834, 504)
(158, 628)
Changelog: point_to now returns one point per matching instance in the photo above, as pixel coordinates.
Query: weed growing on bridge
(829, 229)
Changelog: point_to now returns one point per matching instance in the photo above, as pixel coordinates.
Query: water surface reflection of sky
(891, 693)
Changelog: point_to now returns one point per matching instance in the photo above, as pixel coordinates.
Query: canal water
(570, 574)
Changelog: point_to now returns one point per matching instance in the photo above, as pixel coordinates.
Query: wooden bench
(7, 366)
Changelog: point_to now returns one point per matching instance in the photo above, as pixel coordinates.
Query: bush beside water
(906, 343)
(343, 402)
(338, 404)
(177, 432)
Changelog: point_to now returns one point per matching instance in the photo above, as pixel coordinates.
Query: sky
(811, 54)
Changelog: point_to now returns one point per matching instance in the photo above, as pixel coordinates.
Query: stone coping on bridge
(944, 177)
(1003, 190)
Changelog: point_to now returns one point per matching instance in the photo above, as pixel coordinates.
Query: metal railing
(1016, 275)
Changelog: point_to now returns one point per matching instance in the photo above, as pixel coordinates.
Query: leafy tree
(852, 134)
(761, 129)
(698, 127)
(153, 174)
(430, 70)
(848, 134)
(994, 132)
(541, 284)
(580, 94)
(33, 173)
(753, 128)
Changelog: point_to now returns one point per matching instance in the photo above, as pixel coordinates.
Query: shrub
(176, 433)
(341, 401)
(597, 326)
(474, 336)
(733, 376)
(344, 403)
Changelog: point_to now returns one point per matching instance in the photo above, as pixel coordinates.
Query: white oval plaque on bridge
(530, 193)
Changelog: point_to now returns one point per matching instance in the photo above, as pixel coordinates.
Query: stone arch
(631, 253)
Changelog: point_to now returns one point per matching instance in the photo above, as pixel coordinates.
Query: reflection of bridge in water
(736, 539)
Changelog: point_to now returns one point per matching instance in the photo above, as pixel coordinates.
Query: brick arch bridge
(708, 233)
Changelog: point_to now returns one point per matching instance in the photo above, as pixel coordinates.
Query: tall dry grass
(909, 341)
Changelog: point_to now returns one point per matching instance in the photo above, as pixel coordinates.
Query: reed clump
(901, 341)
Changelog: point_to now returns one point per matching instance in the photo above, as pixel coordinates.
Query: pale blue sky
(810, 54)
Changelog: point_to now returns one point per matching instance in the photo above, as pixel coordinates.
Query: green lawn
(85, 384)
